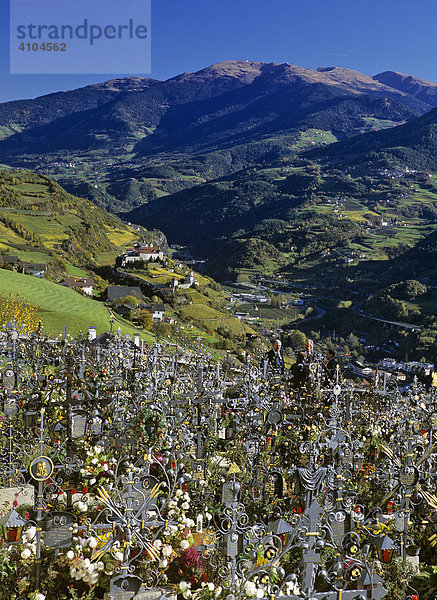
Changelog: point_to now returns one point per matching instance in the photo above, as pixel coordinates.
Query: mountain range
(228, 103)
(241, 151)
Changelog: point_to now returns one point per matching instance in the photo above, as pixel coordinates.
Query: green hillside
(203, 311)
(40, 221)
(59, 306)
(292, 212)
(413, 145)
(419, 262)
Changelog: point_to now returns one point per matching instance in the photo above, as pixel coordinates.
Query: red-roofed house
(80, 284)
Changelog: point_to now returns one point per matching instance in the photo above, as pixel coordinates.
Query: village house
(12, 261)
(37, 270)
(412, 367)
(157, 310)
(84, 285)
(242, 315)
(360, 370)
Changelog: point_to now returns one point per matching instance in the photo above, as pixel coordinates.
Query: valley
(324, 179)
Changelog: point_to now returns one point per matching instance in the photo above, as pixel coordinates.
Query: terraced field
(38, 217)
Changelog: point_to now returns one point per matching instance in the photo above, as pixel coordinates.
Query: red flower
(204, 577)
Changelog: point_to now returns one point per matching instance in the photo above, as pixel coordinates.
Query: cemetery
(131, 472)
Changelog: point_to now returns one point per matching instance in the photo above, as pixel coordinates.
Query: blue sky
(370, 36)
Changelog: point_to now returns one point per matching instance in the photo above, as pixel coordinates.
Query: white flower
(260, 593)
(185, 544)
(292, 588)
(163, 563)
(218, 591)
(100, 565)
(105, 467)
(26, 553)
(172, 504)
(211, 586)
(30, 533)
(94, 460)
(178, 493)
(183, 586)
(94, 577)
(157, 544)
(93, 481)
(119, 556)
(92, 542)
(185, 506)
(167, 550)
(250, 589)
(189, 523)
(97, 449)
(187, 594)
(82, 506)
(70, 555)
(40, 596)
(187, 496)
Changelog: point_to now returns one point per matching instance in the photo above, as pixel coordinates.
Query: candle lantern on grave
(12, 525)
(60, 432)
(385, 547)
(358, 462)
(96, 424)
(30, 418)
